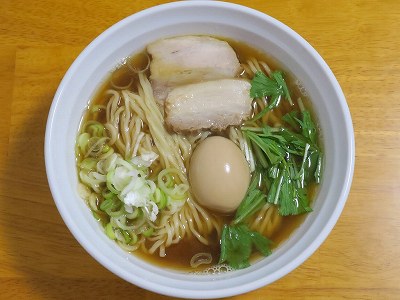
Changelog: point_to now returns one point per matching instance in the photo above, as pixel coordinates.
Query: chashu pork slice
(211, 105)
(189, 59)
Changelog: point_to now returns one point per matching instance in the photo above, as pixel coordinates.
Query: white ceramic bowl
(214, 18)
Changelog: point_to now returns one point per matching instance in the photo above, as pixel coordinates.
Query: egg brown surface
(219, 174)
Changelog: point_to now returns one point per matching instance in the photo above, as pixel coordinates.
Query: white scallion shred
(134, 190)
(145, 160)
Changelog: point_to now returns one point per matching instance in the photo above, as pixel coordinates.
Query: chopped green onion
(160, 198)
(134, 238)
(96, 129)
(127, 236)
(97, 108)
(135, 214)
(106, 148)
(107, 194)
(168, 180)
(148, 232)
(110, 231)
(96, 215)
(83, 141)
(107, 204)
(116, 210)
(88, 164)
(110, 176)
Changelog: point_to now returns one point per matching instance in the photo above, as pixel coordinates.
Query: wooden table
(39, 258)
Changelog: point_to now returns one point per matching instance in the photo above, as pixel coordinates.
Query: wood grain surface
(39, 258)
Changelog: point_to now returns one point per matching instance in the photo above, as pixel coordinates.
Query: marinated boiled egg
(219, 174)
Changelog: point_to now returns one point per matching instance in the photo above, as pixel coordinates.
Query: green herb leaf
(311, 164)
(308, 127)
(274, 103)
(274, 191)
(263, 86)
(306, 124)
(293, 198)
(261, 160)
(274, 87)
(261, 243)
(317, 173)
(253, 202)
(291, 160)
(292, 118)
(237, 244)
(268, 145)
(278, 76)
(235, 248)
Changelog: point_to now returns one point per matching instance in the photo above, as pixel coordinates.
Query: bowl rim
(160, 288)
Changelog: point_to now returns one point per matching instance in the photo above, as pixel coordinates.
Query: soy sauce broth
(178, 256)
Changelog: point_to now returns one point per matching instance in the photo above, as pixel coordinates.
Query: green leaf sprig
(292, 160)
(274, 87)
(237, 242)
(287, 160)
